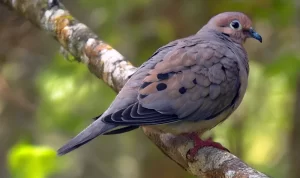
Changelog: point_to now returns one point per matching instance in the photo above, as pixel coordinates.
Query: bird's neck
(209, 34)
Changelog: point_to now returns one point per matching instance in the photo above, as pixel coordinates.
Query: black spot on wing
(195, 81)
(182, 90)
(161, 86)
(145, 84)
(223, 68)
(162, 76)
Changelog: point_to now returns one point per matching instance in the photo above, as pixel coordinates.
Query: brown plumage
(187, 86)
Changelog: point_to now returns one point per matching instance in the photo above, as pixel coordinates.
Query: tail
(92, 131)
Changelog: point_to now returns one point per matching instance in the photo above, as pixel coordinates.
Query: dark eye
(235, 25)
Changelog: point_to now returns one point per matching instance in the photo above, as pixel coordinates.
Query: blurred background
(45, 99)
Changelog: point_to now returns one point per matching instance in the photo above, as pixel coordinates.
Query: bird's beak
(255, 35)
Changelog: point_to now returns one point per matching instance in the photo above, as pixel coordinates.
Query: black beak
(255, 35)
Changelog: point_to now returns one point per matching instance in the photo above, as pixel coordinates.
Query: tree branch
(110, 66)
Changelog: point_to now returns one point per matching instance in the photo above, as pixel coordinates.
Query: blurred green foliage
(67, 95)
(27, 161)
(68, 86)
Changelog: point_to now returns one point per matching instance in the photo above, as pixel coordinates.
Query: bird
(186, 87)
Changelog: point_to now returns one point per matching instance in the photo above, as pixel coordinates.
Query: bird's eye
(235, 25)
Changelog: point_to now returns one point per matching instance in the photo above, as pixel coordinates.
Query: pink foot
(198, 144)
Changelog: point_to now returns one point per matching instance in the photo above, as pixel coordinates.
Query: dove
(186, 87)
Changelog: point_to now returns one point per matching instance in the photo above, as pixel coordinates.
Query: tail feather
(92, 131)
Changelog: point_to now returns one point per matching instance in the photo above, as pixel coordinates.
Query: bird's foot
(199, 143)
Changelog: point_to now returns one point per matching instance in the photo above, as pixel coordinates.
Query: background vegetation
(45, 99)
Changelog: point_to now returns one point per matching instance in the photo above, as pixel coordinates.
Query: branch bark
(110, 66)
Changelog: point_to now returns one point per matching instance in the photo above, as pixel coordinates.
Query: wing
(191, 82)
(129, 93)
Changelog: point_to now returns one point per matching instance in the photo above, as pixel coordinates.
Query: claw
(199, 143)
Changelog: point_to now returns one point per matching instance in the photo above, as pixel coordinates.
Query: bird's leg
(199, 143)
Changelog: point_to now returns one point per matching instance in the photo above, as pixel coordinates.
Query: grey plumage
(188, 85)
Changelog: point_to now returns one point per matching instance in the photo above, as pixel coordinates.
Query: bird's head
(236, 25)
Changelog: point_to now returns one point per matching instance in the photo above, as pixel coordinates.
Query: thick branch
(102, 60)
(110, 66)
